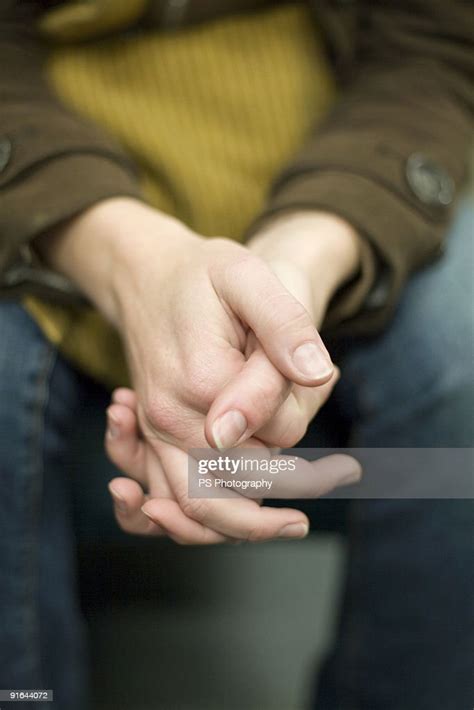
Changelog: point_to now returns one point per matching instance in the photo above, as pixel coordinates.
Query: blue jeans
(405, 639)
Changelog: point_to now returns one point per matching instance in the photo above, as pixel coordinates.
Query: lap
(413, 385)
(39, 618)
(410, 386)
(408, 605)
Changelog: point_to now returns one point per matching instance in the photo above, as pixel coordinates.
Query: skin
(223, 349)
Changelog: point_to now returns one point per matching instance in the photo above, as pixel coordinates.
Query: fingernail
(228, 429)
(146, 513)
(119, 502)
(113, 429)
(312, 361)
(296, 530)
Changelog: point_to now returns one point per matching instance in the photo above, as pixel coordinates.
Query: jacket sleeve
(392, 154)
(53, 164)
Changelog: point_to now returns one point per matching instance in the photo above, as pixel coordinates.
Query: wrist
(319, 243)
(147, 258)
(103, 250)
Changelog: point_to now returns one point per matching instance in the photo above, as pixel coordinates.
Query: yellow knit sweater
(210, 113)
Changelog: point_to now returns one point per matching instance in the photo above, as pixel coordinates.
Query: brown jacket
(390, 158)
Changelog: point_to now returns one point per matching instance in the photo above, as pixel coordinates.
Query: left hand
(166, 508)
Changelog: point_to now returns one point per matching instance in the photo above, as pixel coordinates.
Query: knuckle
(234, 261)
(239, 268)
(194, 508)
(289, 427)
(243, 261)
(263, 401)
(296, 316)
(281, 314)
(198, 380)
(294, 432)
(125, 524)
(111, 452)
(256, 534)
(182, 540)
(222, 244)
(159, 414)
(118, 458)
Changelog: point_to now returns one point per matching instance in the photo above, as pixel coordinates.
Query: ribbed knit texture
(210, 113)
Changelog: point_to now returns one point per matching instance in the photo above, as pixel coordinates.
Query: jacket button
(5, 153)
(431, 184)
(378, 296)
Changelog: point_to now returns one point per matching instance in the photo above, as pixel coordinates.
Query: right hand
(206, 319)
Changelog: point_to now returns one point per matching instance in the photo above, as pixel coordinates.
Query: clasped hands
(223, 349)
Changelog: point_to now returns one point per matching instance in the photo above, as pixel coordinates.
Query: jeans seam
(35, 478)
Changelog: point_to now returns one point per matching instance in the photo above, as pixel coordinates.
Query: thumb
(280, 322)
(247, 402)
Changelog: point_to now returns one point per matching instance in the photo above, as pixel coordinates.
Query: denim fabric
(405, 639)
(406, 629)
(41, 632)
